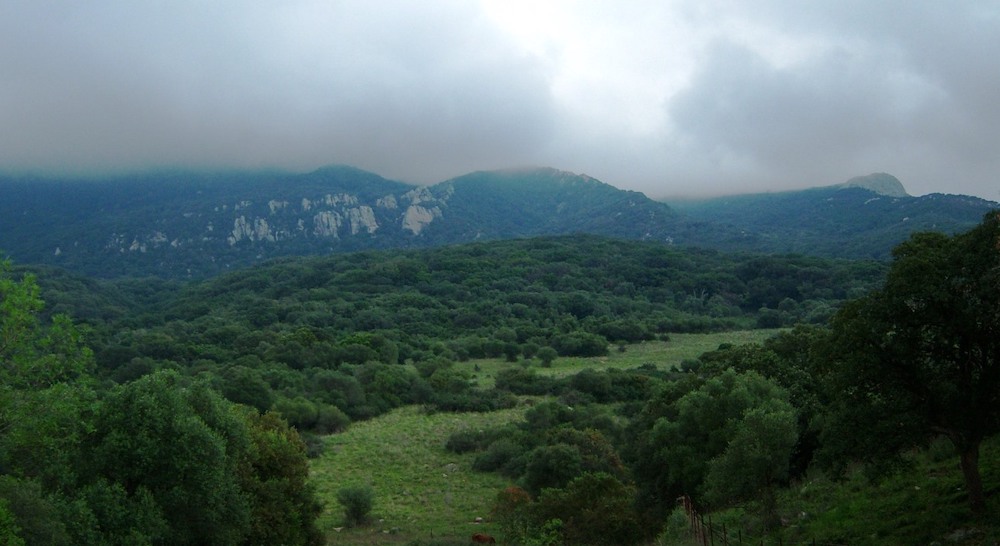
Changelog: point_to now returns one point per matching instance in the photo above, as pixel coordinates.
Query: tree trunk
(969, 455)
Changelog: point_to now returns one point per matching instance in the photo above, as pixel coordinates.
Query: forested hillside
(171, 400)
(267, 333)
(194, 225)
(849, 220)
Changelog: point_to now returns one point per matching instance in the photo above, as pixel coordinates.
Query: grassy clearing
(662, 354)
(922, 504)
(421, 490)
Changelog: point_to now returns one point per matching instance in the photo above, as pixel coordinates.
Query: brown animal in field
(480, 538)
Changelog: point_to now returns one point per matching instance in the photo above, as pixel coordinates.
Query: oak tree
(920, 357)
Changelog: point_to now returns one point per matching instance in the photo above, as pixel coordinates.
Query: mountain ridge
(196, 224)
(880, 183)
(864, 217)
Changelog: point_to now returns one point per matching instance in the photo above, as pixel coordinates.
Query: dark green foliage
(150, 437)
(333, 330)
(546, 355)
(9, 531)
(357, 502)
(552, 466)
(580, 344)
(246, 386)
(788, 360)
(283, 504)
(36, 519)
(691, 429)
(921, 356)
(594, 508)
(507, 455)
(465, 441)
(525, 381)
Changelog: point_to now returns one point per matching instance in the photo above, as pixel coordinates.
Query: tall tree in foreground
(921, 357)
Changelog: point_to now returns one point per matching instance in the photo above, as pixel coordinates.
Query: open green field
(422, 492)
(662, 354)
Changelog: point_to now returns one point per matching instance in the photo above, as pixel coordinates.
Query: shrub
(502, 455)
(357, 502)
(546, 355)
(464, 441)
(552, 466)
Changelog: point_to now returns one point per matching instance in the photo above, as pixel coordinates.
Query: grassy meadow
(922, 503)
(424, 493)
(662, 354)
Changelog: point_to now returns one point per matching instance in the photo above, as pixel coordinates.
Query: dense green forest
(322, 339)
(184, 413)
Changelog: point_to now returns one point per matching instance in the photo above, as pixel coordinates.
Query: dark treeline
(322, 339)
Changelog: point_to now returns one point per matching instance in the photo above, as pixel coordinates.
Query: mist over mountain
(182, 224)
(864, 217)
(197, 224)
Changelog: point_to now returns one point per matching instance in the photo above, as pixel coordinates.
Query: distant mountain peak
(880, 183)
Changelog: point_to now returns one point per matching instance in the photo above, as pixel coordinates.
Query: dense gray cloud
(909, 88)
(405, 91)
(706, 96)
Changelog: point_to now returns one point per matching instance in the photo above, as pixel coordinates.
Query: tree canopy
(920, 357)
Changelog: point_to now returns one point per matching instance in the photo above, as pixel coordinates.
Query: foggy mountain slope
(864, 217)
(529, 202)
(181, 225)
(197, 224)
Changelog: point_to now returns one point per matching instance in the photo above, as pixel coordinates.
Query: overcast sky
(665, 97)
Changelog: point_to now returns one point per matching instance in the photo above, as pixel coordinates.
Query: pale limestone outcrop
(387, 202)
(340, 199)
(418, 217)
(327, 223)
(360, 218)
(276, 205)
(258, 230)
(418, 195)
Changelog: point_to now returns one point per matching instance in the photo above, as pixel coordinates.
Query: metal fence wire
(706, 533)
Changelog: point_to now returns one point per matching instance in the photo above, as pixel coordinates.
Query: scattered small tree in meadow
(511, 350)
(547, 355)
(357, 501)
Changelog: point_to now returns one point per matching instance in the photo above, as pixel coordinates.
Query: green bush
(357, 502)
